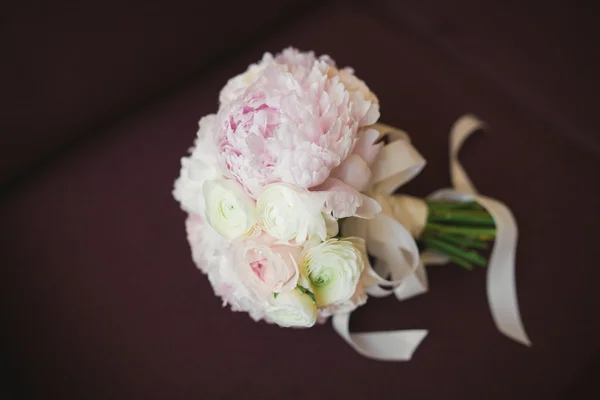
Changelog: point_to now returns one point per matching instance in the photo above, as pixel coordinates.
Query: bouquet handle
(398, 258)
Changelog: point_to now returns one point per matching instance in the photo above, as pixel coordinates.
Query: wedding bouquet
(288, 190)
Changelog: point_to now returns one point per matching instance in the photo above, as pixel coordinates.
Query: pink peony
(290, 59)
(266, 267)
(341, 191)
(295, 122)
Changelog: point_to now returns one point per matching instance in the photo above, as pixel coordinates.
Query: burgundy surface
(100, 298)
(68, 66)
(542, 53)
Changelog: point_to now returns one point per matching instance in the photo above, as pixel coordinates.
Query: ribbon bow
(389, 237)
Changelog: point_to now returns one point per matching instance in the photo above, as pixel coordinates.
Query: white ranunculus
(333, 269)
(292, 308)
(289, 215)
(229, 210)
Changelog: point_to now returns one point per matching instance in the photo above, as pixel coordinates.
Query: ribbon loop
(398, 161)
(464, 127)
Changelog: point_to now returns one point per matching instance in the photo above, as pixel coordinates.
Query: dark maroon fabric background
(100, 298)
(69, 67)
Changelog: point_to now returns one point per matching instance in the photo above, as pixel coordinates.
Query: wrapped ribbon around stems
(390, 238)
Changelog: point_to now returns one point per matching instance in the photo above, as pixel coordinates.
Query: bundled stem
(458, 231)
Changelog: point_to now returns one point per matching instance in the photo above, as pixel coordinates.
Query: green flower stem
(441, 250)
(461, 217)
(463, 241)
(446, 248)
(485, 238)
(478, 232)
(457, 230)
(447, 205)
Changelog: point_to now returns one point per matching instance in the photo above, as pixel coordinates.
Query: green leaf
(304, 290)
(275, 294)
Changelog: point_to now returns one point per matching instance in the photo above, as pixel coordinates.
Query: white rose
(229, 210)
(292, 308)
(288, 214)
(333, 269)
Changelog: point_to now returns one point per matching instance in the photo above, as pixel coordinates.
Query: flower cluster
(270, 175)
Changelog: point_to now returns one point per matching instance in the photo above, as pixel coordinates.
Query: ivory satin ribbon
(389, 237)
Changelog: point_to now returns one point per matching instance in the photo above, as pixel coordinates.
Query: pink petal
(354, 171)
(372, 115)
(365, 147)
(369, 208)
(340, 199)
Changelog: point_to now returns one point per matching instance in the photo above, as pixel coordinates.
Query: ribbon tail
(501, 285)
(413, 285)
(380, 345)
